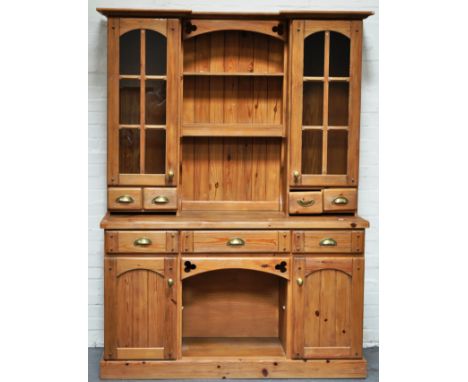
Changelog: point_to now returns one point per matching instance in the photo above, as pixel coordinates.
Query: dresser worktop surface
(216, 220)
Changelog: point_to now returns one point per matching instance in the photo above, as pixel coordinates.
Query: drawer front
(160, 199)
(141, 241)
(340, 199)
(235, 241)
(124, 198)
(305, 202)
(328, 241)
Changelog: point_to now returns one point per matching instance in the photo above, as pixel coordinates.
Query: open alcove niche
(232, 131)
(234, 313)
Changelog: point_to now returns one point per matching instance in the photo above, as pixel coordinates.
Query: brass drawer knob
(142, 241)
(160, 199)
(170, 175)
(296, 176)
(125, 199)
(236, 242)
(340, 200)
(299, 281)
(328, 243)
(306, 203)
(170, 282)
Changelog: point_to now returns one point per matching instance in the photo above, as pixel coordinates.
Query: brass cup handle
(306, 203)
(170, 282)
(296, 176)
(340, 200)
(299, 281)
(160, 199)
(125, 199)
(328, 243)
(142, 241)
(236, 242)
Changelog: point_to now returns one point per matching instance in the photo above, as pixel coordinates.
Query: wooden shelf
(233, 74)
(232, 130)
(232, 347)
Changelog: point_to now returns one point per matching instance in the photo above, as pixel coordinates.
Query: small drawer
(160, 199)
(141, 241)
(339, 199)
(305, 202)
(124, 198)
(235, 241)
(328, 241)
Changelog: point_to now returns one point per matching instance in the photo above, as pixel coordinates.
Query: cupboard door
(142, 108)
(141, 308)
(325, 102)
(328, 307)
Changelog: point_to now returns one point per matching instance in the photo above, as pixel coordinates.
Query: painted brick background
(369, 162)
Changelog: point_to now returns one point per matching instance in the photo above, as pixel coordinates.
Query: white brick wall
(369, 165)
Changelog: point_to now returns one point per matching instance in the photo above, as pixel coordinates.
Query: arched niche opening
(234, 312)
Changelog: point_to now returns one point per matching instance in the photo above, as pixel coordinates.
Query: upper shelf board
(186, 13)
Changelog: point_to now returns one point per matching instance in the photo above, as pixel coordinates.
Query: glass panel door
(142, 107)
(325, 124)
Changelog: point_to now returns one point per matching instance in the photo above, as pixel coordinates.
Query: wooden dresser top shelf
(187, 13)
(215, 220)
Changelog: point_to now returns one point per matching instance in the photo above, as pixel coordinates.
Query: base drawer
(235, 241)
(141, 241)
(328, 241)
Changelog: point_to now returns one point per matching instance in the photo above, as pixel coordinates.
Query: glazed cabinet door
(143, 59)
(328, 307)
(325, 102)
(140, 301)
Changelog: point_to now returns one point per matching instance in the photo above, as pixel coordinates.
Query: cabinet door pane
(130, 53)
(155, 53)
(338, 104)
(314, 46)
(155, 102)
(129, 102)
(339, 55)
(337, 152)
(312, 108)
(155, 151)
(129, 151)
(312, 151)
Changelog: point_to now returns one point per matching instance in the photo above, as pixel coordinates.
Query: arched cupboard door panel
(325, 103)
(327, 300)
(141, 308)
(143, 59)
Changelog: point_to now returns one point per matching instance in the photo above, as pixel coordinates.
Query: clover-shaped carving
(281, 266)
(189, 266)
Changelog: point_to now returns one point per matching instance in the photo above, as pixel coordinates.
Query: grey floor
(371, 354)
